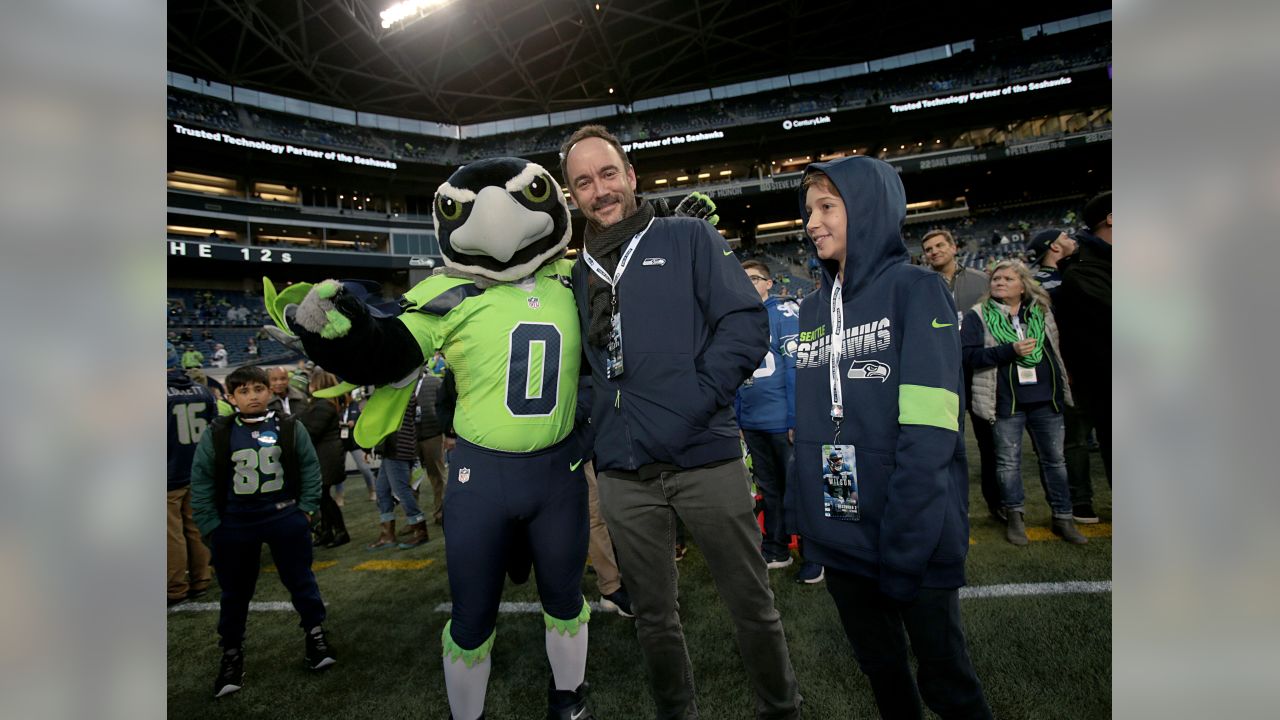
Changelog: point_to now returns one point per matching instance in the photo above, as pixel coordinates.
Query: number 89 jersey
(514, 352)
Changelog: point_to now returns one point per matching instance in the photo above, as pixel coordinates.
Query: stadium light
(726, 172)
(704, 175)
(682, 178)
(409, 11)
(660, 181)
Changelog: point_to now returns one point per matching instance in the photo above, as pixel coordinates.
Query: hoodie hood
(875, 207)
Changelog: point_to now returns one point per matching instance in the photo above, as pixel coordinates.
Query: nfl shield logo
(534, 303)
(464, 474)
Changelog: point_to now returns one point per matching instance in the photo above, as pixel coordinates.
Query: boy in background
(256, 479)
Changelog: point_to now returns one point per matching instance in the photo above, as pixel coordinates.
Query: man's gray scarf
(605, 246)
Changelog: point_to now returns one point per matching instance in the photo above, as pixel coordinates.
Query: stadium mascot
(502, 312)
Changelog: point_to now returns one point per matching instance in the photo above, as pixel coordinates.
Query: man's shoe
(1084, 514)
(420, 536)
(777, 562)
(386, 536)
(617, 601)
(230, 673)
(681, 551)
(998, 514)
(178, 601)
(568, 704)
(1065, 528)
(322, 539)
(197, 593)
(1015, 531)
(319, 654)
(810, 573)
(339, 539)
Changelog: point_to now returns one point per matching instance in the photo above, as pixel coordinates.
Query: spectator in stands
(192, 358)
(1046, 249)
(666, 441)
(321, 420)
(967, 286)
(398, 452)
(765, 406)
(191, 409)
(251, 349)
(430, 442)
(360, 456)
(219, 356)
(1083, 302)
(1011, 346)
(892, 531)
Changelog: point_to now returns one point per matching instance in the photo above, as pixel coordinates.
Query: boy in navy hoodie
(880, 484)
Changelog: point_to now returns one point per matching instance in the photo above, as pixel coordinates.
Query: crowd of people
(979, 68)
(851, 403)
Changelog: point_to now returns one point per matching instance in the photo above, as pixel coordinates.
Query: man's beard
(628, 203)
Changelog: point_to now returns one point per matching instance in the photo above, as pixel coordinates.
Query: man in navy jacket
(671, 328)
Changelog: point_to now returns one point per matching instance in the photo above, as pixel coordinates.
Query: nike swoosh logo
(574, 466)
(578, 714)
(941, 325)
(728, 253)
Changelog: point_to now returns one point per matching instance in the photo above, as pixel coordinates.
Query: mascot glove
(318, 312)
(698, 205)
(293, 342)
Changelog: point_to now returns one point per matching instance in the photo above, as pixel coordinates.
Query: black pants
(874, 625)
(770, 456)
(983, 434)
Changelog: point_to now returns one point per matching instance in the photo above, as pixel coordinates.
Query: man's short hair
(758, 265)
(1096, 211)
(939, 231)
(245, 375)
(582, 133)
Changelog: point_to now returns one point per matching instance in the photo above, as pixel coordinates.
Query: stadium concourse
(307, 141)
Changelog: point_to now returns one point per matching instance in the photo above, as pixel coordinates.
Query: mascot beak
(496, 218)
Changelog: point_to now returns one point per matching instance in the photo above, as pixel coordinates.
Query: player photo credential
(840, 483)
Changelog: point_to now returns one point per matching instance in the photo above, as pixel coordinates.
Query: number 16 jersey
(514, 352)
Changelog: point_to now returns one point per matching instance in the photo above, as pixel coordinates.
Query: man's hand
(698, 205)
(1025, 347)
(791, 436)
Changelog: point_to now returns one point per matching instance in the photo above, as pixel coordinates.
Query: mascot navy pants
(535, 502)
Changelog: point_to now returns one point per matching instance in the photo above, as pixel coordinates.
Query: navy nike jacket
(900, 372)
(693, 329)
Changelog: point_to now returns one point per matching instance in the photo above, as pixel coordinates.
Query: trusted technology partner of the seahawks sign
(975, 95)
(282, 149)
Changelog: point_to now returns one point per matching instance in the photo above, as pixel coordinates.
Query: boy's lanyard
(623, 261)
(837, 347)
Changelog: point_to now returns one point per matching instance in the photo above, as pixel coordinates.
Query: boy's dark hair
(758, 265)
(245, 375)
(582, 133)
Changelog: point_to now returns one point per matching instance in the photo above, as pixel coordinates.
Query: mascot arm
(340, 335)
(695, 205)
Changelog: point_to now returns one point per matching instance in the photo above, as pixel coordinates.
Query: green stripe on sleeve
(921, 405)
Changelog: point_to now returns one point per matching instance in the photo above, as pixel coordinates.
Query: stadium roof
(479, 60)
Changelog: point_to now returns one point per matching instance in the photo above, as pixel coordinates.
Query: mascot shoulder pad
(439, 294)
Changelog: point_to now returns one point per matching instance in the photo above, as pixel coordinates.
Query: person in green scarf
(1010, 343)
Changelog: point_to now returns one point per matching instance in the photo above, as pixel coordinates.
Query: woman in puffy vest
(1010, 343)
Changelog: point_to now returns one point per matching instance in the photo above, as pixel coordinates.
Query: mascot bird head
(501, 218)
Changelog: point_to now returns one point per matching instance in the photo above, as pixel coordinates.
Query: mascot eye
(538, 190)
(449, 209)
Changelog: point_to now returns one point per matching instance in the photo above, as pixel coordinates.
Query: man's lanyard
(837, 346)
(622, 263)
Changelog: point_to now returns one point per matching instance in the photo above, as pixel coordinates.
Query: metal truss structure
(479, 60)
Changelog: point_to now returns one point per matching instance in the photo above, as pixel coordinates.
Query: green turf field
(1045, 656)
